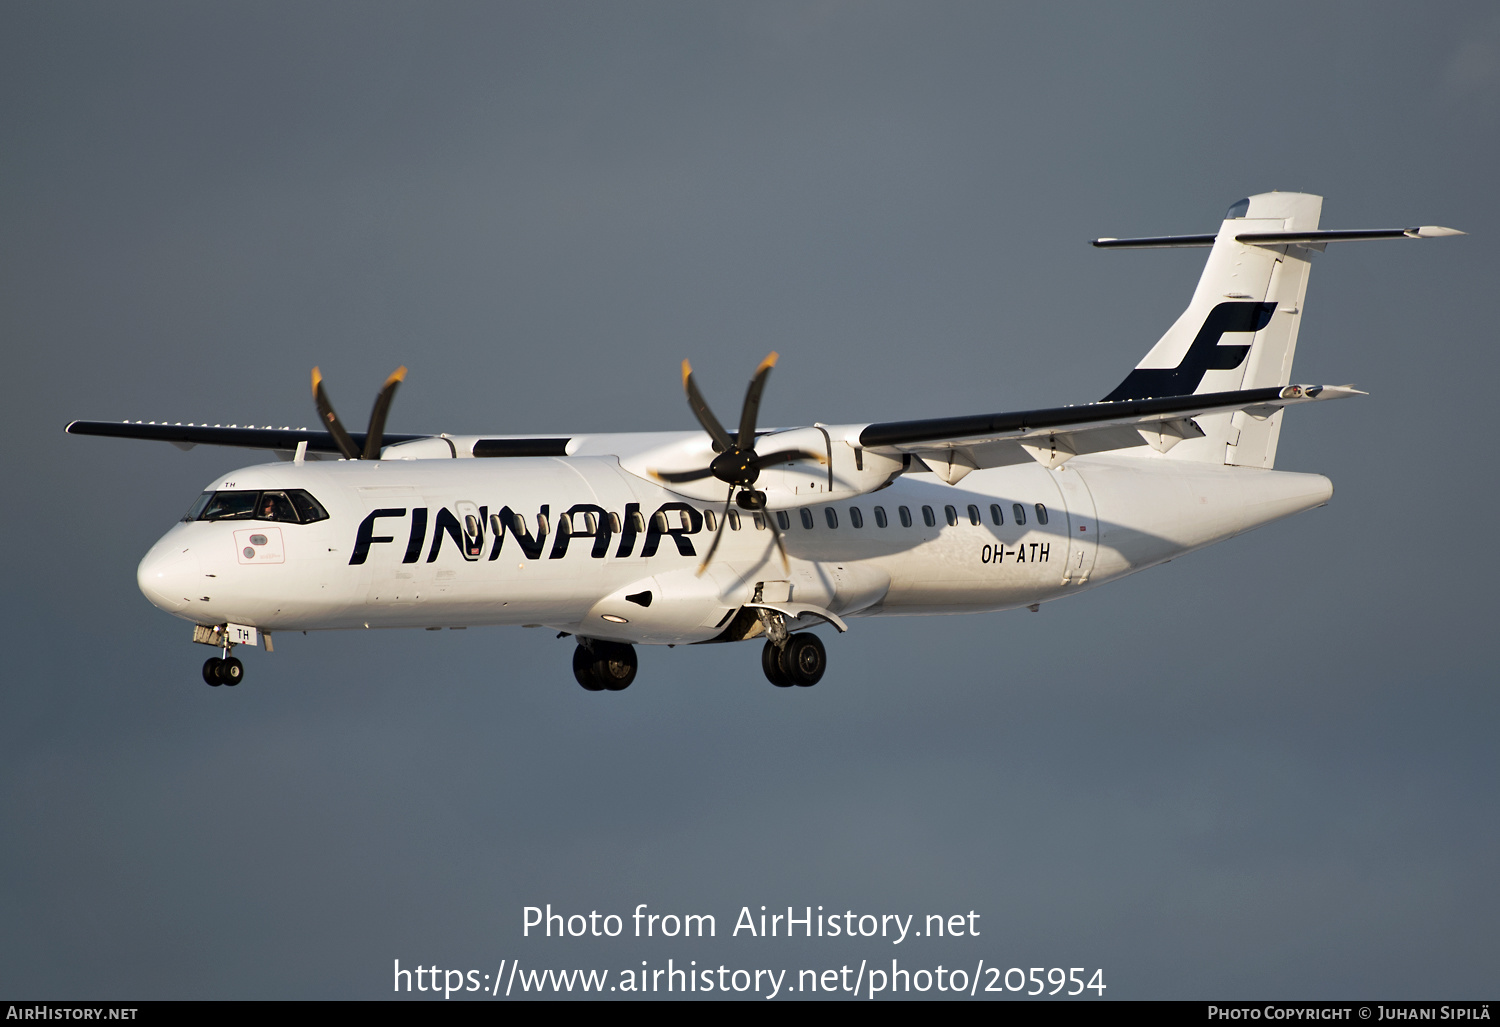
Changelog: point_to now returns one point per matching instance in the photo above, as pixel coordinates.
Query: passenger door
(1083, 526)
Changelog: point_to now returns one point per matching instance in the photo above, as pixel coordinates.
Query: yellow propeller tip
(317, 379)
(687, 370)
(398, 375)
(769, 362)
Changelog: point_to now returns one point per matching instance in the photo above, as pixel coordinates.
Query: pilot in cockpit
(275, 506)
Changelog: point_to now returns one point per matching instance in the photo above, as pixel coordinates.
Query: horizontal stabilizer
(1357, 235)
(1313, 238)
(1154, 242)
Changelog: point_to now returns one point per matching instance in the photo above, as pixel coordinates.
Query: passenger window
(542, 526)
(564, 525)
(591, 522)
(928, 517)
(783, 519)
(471, 525)
(659, 522)
(807, 521)
(734, 520)
(760, 521)
(951, 514)
(710, 522)
(995, 514)
(973, 514)
(496, 524)
(856, 518)
(1041, 514)
(831, 516)
(880, 521)
(614, 523)
(905, 516)
(1019, 511)
(637, 522)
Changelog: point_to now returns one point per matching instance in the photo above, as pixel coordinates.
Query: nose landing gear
(225, 670)
(604, 666)
(222, 669)
(800, 661)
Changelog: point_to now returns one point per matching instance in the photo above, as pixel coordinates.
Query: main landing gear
(225, 670)
(800, 660)
(604, 666)
(787, 659)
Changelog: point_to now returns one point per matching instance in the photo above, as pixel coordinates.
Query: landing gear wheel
(770, 662)
(604, 665)
(231, 671)
(583, 669)
(614, 665)
(803, 660)
(211, 671)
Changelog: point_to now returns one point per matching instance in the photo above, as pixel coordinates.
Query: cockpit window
(230, 506)
(197, 507)
(275, 506)
(292, 506)
(308, 508)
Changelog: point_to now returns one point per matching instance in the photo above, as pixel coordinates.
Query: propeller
(738, 464)
(376, 433)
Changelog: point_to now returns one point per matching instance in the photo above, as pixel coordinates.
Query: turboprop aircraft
(713, 535)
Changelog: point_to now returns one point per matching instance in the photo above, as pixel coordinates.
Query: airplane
(718, 535)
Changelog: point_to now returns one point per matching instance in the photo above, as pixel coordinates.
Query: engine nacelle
(841, 469)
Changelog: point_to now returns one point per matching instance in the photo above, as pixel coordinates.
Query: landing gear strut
(223, 671)
(604, 666)
(801, 661)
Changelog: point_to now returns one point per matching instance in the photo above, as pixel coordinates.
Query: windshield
(293, 506)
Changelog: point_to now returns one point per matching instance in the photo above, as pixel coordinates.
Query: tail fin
(1240, 330)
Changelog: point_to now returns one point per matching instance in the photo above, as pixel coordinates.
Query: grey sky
(1267, 769)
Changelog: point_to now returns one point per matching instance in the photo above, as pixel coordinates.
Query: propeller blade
(335, 427)
(751, 409)
(376, 435)
(776, 537)
(718, 533)
(786, 456)
(700, 410)
(673, 477)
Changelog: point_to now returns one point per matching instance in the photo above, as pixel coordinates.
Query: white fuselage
(421, 565)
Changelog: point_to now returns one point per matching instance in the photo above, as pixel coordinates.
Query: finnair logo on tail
(1204, 355)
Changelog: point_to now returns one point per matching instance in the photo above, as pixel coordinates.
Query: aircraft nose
(169, 574)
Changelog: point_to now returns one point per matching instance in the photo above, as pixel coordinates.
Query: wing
(954, 446)
(185, 436)
(285, 440)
